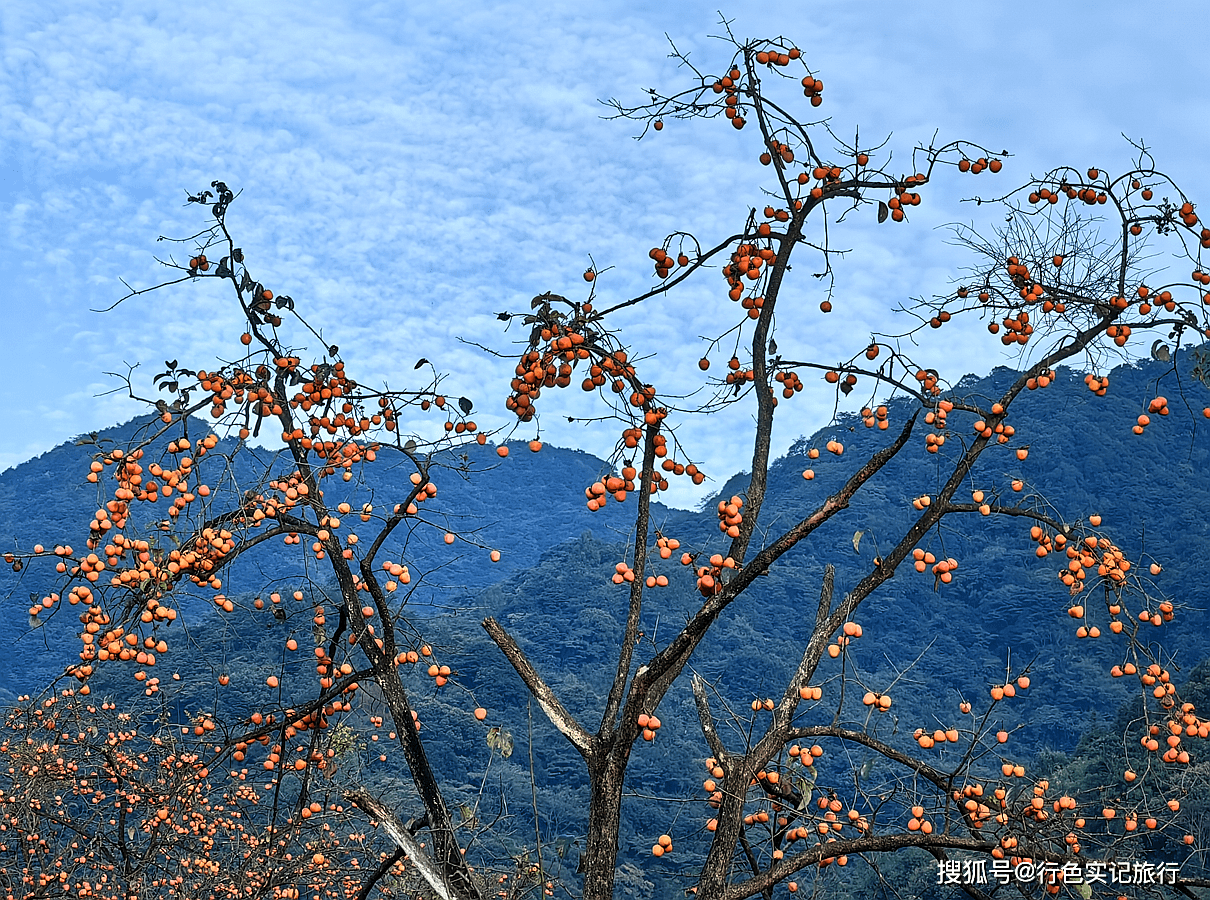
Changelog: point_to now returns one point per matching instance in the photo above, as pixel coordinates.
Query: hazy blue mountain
(552, 588)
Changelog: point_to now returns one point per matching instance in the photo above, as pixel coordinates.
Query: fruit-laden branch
(673, 657)
(765, 401)
(635, 606)
(806, 668)
(866, 844)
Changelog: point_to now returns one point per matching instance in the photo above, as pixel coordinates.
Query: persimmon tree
(1064, 282)
(127, 586)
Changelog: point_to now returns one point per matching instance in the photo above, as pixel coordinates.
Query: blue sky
(409, 171)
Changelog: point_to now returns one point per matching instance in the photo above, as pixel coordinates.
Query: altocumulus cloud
(408, 172)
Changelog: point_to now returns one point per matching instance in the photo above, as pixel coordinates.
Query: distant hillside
(1154, 504)
(48, 501)
(552, 589)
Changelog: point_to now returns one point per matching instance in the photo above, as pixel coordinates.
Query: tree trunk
(445, 850)
(600, 857)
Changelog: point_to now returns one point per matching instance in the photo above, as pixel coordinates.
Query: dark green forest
(1005, 609)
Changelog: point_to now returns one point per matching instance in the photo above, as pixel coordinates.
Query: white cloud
(407, 173)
